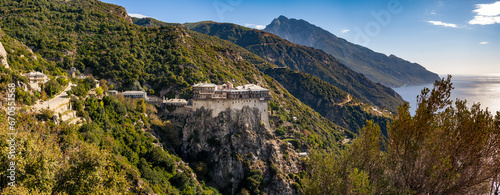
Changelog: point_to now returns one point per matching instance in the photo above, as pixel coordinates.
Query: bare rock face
(235, 152)
(122, 12)
(3, 56)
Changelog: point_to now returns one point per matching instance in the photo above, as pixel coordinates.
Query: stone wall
(220, 105)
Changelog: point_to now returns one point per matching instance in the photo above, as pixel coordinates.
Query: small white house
(112, 92)
(37, 77)
(135, 94)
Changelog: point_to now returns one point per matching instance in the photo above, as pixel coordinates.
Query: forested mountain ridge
(169, 59)
(19, 58)
(306, 59)
(123, 52)
(390, 70)
(319, 95)
(331, 102)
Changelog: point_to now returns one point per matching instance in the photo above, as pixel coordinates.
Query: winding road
(54, 102)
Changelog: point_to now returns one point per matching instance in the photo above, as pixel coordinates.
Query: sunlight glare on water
(475, 89)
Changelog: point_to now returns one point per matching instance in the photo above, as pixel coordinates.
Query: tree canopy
(445, 148)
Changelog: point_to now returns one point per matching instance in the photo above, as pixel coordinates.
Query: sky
(458, 37)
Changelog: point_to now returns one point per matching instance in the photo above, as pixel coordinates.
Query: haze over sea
(475, 89)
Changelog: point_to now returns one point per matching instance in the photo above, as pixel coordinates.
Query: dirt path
(349, 99)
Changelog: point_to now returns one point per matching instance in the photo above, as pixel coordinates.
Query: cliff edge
(235, 152)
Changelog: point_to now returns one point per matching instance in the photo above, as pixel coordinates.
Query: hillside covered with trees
(305, 59)
(91, 35)
(100, 36)
(302, 85)
(114, 152)
(331, 102)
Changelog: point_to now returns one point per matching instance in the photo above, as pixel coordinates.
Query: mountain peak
(301, 30)
(282, 17)
(389, 70)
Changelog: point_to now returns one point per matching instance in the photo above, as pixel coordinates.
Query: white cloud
(485, 20)
(430, 12)
(256, 26)
(486, 14)
(488, 9)
(344, 31)
(439, 23)
(260, 27)
(138, 16)
(484, 43)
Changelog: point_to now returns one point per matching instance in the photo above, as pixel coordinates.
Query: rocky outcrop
(235, 152)
(122, 12)
(3, 56)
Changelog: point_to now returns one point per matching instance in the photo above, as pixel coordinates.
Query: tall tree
(444, 148)
(52, 88)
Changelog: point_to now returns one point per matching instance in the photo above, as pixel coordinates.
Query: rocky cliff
(3, 53)
(3, 56)
(235, 152)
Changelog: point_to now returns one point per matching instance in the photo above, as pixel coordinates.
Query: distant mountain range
(324, 97)
(390, 70)
(284, 53)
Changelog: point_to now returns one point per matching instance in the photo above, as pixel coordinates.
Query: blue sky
(445, 36)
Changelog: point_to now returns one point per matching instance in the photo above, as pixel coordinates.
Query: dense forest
(100, 36)
(113, 153)
(95, 36)
(331, 102)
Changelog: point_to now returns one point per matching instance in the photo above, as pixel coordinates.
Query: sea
(475, 89)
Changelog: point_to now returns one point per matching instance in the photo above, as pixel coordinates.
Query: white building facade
(135, 94)
(218, 98)
(37, 77)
